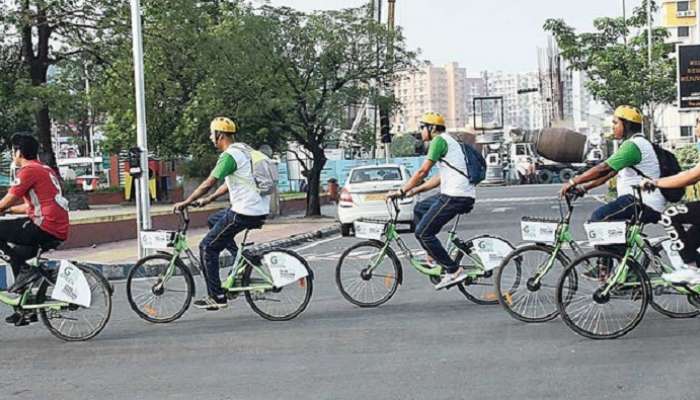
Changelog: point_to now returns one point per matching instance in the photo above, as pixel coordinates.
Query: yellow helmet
(432, 118)
(223, 124)
(629, 113)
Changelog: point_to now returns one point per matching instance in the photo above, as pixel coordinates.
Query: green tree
(616, 61)
(323, 62)
(404, 146)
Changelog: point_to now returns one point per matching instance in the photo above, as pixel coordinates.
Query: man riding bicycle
(456, 196)
(36, 193)
(634, 159)
(248, 208)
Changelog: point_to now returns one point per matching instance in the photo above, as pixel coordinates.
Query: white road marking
(314, 244)
(501, 209)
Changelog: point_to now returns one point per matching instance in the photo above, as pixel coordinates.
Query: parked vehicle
(364, 195)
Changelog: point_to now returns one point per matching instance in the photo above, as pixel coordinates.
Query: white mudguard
(491, 251)
(72, 286)
(284, 268)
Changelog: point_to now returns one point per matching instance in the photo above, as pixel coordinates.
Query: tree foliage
(615, 59)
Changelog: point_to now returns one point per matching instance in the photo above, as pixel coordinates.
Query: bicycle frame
(392, 235)
(22, 301)
(241, 260)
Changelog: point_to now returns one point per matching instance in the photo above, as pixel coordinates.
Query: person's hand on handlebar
(397, 194)
(648, 185)
(203, 201)
(178, 207)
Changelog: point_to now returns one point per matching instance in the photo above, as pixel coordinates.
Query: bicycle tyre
(100, 292)
(682, 309)
(640, 297)
(470, 289)
(305, 283)
(508, 299)
(162, 260)
(393, 277)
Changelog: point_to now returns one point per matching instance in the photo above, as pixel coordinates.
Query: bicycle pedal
(27, 319)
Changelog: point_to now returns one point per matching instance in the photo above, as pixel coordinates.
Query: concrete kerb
(119, 271)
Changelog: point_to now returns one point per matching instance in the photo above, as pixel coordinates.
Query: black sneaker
(211, 304)
(20, 319)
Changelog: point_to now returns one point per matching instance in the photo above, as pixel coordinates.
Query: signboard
(688, 77)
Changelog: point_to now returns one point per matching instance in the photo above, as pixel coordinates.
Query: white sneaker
(688, 275)
(451, 279)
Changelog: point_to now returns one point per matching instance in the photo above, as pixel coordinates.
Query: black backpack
(669, 166)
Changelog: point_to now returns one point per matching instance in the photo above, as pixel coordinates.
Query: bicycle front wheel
(368, 275)
(592, 310)
(74, 323)
(665, 298)
(277, 303)
(158, 293)
(525, 293)
(481, 289)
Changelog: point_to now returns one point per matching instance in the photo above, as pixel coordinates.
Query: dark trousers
(223, 227)
(430, 215)
(622, 209)
(685, 240)
(24, 237)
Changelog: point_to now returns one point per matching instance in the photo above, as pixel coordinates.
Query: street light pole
(143, 214)
(90, 123)
(650, 42)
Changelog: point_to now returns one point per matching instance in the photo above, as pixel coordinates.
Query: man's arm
(8, 201)
(203, 188)
(419, 176)
(19, 209)
(430, 184)
(220, 191)
(681, 180)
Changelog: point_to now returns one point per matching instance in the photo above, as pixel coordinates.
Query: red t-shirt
(41, 190)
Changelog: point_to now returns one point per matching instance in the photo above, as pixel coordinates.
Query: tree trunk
(43, 126)
(313, 199)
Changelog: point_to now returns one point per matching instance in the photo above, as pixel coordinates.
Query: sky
(481, 34)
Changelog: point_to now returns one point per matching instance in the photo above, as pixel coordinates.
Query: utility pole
(143, 205)
(650, 42)
(90, 123)
(385, 117)
(624, 21)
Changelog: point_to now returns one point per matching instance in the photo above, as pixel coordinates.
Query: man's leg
(212, 220)
(620, 209)
(439, 214)
(686, 242)
(217, 239)
(422, 207)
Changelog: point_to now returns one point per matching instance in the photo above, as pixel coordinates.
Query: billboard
(688, 77)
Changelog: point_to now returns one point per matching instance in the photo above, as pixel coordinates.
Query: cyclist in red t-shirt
(36, 192)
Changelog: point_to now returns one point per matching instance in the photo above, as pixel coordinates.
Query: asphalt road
(422, 344)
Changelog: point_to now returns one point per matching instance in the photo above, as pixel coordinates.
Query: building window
(683, 31)
(682, 6)
(686, 131)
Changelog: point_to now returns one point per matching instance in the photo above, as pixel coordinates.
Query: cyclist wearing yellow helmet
(634, 159)
(248, 208)
(456, 194)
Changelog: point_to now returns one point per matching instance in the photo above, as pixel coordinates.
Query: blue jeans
(622, 209)
(430, 215)
(224, 225)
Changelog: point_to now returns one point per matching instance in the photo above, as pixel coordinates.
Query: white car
(364, 195)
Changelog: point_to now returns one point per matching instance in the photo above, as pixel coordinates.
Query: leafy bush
(688, 156)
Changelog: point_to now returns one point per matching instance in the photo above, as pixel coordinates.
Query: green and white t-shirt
(234, 166)
(639, 153)
(452, 183)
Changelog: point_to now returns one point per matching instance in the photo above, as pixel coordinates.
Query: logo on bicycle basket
(274, 260)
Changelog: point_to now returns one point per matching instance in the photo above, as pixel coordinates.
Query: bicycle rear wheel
(278, 303)
(74, 323)
(585, 306)
(357, 284)
(155, 298)
(480, 289)
(665, 298)
(526, 296)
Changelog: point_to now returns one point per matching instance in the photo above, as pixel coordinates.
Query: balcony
(687, 13)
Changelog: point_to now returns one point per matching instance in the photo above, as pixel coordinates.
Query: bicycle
(277, 283)
(376, 259)
(603, 294)
(73, 301)
(532, 264)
